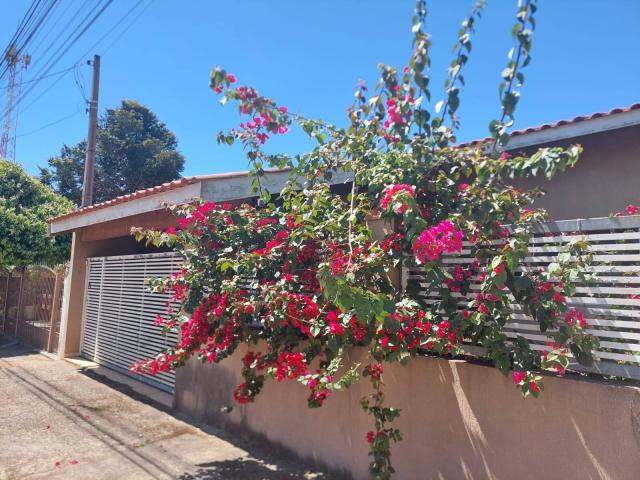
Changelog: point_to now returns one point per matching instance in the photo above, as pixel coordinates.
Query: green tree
(134, 150)
(25, 206)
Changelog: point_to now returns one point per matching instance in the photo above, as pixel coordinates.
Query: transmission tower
(16, 65)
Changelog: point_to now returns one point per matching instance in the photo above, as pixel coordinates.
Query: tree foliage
(300, 278)
(134, 151)
(25, 206)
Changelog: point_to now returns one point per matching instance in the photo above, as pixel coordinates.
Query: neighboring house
(107, 317)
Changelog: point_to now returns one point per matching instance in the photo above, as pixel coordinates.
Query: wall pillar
(75, 283)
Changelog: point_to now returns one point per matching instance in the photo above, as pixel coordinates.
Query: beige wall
(605, 179)
(459, 421)
(73, 300)
(158, 219)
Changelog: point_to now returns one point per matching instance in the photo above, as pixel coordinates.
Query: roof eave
(149, 203)
(574, 130)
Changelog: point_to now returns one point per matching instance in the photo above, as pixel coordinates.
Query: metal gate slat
(120, 311)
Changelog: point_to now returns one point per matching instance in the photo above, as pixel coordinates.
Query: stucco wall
(459, 421)
(605, 179)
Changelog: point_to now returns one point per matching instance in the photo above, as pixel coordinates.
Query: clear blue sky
(309, 55)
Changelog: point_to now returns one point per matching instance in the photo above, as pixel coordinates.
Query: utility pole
(89, 164)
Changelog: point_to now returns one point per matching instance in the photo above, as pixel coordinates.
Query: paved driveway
(58, 423)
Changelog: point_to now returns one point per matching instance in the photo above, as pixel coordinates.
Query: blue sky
(309, 55)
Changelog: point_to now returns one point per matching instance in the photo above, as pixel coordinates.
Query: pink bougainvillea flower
(442, 238)
(632, 209)
(560, 370)
(375, 370)
(336, 328)
(185, 222)
(519, 377)
(574, 317)
(391, 191)
(231, 78)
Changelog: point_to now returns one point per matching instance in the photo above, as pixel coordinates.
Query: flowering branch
(307, 277)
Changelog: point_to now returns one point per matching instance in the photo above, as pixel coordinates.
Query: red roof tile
(570, 121)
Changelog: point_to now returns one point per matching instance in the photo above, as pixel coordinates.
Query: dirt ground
(57, 422)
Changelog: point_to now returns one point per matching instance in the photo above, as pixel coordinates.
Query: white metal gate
(120, 311)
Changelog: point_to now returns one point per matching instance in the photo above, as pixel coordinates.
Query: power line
(46, 90)
(67, 44)
(114, 41)
(54, 42)
(19, 30)
(20, 45)
(127, 28)
(14, 60)
(35, 49)
(64, 46)
(53, 74)
(116, 25)
(55, 122)
(58, 48)
(39, 23)
(79, 81)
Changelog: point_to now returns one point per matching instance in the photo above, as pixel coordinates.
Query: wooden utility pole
(89, 164)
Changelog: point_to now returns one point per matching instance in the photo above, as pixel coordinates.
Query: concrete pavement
(56, 422)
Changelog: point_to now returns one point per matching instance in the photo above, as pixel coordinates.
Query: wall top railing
(610, 302)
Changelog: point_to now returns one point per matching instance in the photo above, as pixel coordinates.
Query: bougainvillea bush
(299, 276)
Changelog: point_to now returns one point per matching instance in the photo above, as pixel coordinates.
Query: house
(454, 426)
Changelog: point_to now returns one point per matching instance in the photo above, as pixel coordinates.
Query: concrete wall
(605, 179)
(459, 421)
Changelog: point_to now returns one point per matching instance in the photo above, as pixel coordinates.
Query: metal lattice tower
(16, 64)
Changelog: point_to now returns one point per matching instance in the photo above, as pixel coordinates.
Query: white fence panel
(610, 303)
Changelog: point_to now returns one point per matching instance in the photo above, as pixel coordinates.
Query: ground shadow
(247, 469)
(264, 460)
(10, 347)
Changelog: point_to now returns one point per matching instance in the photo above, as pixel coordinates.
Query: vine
(300, 277)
